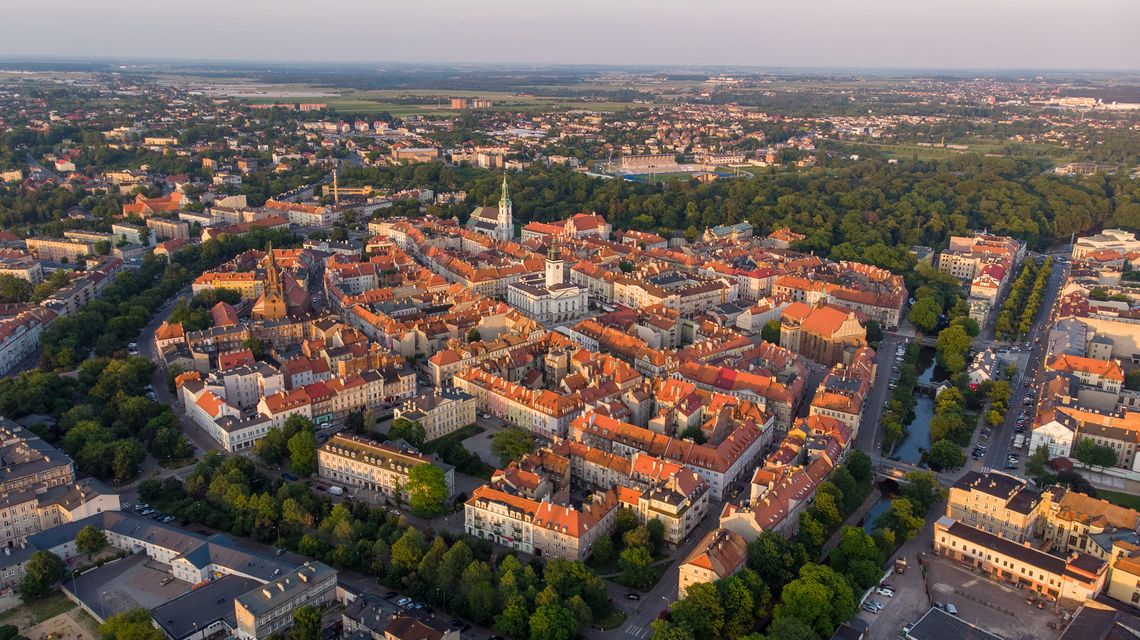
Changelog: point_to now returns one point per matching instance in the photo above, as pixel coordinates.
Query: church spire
(505, 199)
(552, 253)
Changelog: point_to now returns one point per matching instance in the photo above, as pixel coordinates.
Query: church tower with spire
(554, 273)
(505, 225)
(271, 304)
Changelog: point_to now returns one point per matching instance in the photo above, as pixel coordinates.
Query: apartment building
(679, 501)
(781, 399)
(539, 527)
(303, 215)
(30, 463)
(267, 611)
(164, 229)
(996, 503)
(20, 336)
(378, 467)
(60, 250)
(1076, 522)
(440, 411)
(247, 283)
(1074, 577)
(543, 412)
(719, 554)
(29, 511)
(1104, 375)
(718, 465)
(20, 265)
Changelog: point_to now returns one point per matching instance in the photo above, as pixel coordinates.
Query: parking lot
(907, 605)
(997, 608)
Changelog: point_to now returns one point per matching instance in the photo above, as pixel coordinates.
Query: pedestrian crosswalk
(637, 631)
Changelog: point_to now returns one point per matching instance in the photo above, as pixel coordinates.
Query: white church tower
(554, 275)
(505, 227)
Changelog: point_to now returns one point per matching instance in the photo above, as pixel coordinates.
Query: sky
(959, 34)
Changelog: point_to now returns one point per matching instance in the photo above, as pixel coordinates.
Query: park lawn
(33, 613)
(612, 621)
(471, 430)
(1120, 499)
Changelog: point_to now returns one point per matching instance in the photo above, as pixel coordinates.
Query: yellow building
(1076, 577)
(997, 503)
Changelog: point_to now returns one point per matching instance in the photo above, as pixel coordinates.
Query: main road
(1038, 340)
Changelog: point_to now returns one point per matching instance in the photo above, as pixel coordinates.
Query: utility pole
(336, 189)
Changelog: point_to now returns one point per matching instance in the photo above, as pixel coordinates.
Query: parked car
(632, 596)
(165, 519)
(885, 592)
(951, 609)
(288, 476)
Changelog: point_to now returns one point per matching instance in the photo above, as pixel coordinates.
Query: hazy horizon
(827, 34)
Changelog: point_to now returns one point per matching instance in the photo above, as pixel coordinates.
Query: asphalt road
(999, 446)
(200, 439)
(867, 440)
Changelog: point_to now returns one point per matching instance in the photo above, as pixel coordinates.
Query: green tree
(303, 453)
(700, 613)
(775, 558)
(738, 604)
(771, 332)
(473, 335)
(945, 455)
(901, 519)
(511, 444)
(90, 540)
(1091, 454)
(859, 464)
(13, 289)
(951, 348)
(427, 490)
(1036, 466)
(409, 431)
(820, 597)
(790, 628)
(133, 624)
(255, 346)
(41, 572)
(306, 623)
(603, 551)
(514, 621)
(408, 550)
(922, 489)
(636, 567)
(553, 622)
(656, 529)
(924, 314)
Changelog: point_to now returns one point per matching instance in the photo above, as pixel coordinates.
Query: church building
(497, 223)
(549, 298)
(282, 297)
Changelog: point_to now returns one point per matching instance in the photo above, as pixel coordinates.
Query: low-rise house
(721, 553)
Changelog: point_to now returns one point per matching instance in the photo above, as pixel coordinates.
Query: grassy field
(33, 613)
(1120, 499)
